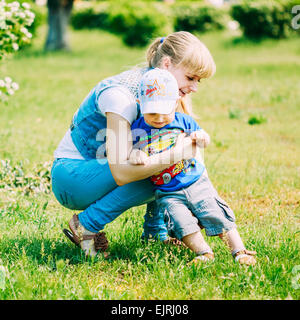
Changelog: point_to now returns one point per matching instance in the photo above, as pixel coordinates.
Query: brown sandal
(76, 235)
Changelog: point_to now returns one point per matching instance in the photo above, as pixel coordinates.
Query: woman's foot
(89, 242)
(245, 257)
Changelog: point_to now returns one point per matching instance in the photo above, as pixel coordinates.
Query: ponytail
(152, 56)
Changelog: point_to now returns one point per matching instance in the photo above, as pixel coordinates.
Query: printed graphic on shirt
(159, 141)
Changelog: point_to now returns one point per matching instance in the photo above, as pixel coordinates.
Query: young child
(184, 194)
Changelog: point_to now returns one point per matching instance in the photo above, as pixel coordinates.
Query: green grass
(254, 167)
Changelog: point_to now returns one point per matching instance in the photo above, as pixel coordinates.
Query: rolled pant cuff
(187, 230)
(211, 232)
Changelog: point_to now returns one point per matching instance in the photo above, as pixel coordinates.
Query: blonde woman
(91, 171)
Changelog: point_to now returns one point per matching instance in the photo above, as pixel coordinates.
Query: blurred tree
(59, 12)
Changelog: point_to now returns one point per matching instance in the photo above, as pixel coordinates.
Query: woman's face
(186, 81)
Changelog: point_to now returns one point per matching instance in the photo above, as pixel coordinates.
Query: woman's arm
(119, 146)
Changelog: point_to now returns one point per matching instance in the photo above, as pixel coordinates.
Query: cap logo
(155, 88)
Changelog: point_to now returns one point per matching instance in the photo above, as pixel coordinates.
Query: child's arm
(201, 138)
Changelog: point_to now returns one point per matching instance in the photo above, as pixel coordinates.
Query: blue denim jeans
(89, 186)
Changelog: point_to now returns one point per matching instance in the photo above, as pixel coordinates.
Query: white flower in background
(29, 14)
(15, 18)
(8, 14)
(41, 2)
(26, 5)
(22, 15)
(7, 80)
(24, 30)
(15, 86)
(15, 46)
(7, 88)
(15, 4)
(233, 25)
(13, 37)
(217, 3)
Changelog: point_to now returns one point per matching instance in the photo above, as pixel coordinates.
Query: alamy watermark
(296, 277)
(153, 142)
(296, 20)
(2, 277)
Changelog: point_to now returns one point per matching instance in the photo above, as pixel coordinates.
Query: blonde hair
(184, 50)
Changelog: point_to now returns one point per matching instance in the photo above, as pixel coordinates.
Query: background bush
(141, 21)
(199, 17)
(264, 19)
(137, 23)
(90, 18)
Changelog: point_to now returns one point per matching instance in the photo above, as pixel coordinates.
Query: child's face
(158, 120)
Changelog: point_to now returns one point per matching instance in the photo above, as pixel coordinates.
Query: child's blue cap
(158, 92)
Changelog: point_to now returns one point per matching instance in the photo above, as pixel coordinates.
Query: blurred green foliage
(257, 119)
(90, 18)
(142, 21)
(138, 22)
(200, 17)
(264, 19)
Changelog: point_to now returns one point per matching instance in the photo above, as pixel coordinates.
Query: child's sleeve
(193, 126)
(189, 124)
(137, 132)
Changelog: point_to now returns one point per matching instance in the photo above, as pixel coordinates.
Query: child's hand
(138, 157)
(201, 138)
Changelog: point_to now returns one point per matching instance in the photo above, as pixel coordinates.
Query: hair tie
(162, 40)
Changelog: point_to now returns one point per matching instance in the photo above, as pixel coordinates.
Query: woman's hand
(184, 148)
(201, 138)
(138, 157)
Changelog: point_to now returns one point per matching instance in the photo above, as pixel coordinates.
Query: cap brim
(162, 107)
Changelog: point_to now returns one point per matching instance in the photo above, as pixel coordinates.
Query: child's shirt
(152, 140)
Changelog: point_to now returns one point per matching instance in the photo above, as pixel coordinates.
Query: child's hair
(185, 50)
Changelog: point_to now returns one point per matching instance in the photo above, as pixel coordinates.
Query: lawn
(256, 168)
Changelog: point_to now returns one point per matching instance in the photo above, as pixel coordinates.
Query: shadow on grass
(31, 52)
(45, 251)
(241, 41)
(41, 251)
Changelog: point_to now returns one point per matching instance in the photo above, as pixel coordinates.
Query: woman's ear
(166, 63)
